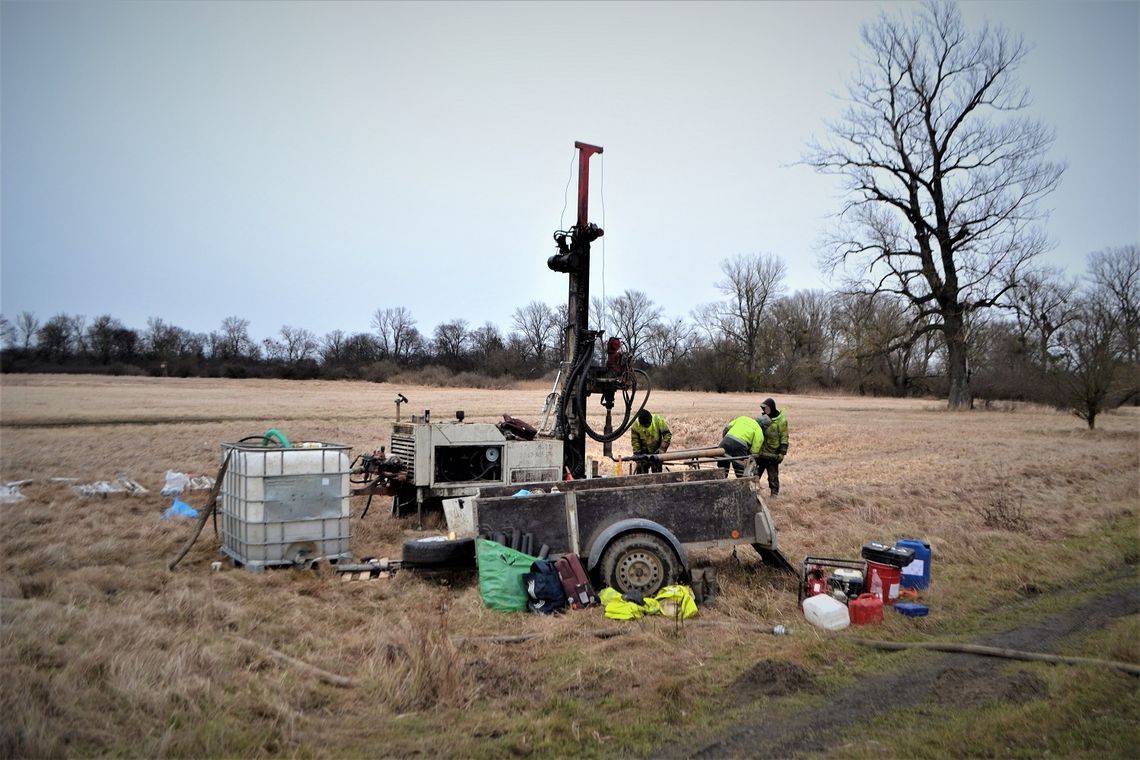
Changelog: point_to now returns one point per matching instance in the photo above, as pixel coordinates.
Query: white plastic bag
(176, 483)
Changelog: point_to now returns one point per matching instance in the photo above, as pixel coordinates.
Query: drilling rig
(632, 531)
(579, 377)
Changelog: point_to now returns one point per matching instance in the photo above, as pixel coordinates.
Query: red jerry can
(866, 608)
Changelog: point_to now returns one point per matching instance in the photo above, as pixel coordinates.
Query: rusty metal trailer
(633, 532)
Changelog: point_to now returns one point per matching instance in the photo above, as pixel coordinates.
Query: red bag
(575, 582)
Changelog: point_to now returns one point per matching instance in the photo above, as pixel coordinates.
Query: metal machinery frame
(579, 377)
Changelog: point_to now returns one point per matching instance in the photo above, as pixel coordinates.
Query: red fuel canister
(866, 608)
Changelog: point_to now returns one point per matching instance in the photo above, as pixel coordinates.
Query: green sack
(501, 569)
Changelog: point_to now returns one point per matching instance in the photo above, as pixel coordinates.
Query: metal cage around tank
(286, 506)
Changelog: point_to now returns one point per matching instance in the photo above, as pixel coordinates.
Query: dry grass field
(105, 652)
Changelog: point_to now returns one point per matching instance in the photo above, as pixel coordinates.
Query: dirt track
(952, 680)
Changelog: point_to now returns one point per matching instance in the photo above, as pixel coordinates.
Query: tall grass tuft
(1005, 511)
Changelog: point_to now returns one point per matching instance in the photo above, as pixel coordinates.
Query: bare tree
(53, 339)
(359, 349)
(487, 348)
(101, 337)
(125, 343)
(161, 340)
(233, 341)
(7, 332)
(751, 283)
(1116, 272)
(396, 330)
(77, 333)
(668, 343)
(1091, 362)
(944, 174)
(27, 326)
(803, 321)
(877, 349)
(451, 340)
(296, 345)
(538, 326)
(634, 314)
(1042, 306)
(332, 348)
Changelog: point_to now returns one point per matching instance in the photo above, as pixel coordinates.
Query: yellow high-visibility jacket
(748, 431)
(652, 438)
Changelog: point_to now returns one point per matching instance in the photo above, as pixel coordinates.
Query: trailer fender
(765, 531)
(599, 544)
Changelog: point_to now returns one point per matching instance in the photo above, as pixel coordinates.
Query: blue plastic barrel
(917, 573)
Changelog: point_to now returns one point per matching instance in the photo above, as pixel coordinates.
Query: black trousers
(770, 465)
(644, 467)
(733, 447)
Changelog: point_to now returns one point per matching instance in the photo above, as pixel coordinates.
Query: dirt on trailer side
(949, 679)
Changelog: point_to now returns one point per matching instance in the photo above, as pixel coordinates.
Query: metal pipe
(682, 454)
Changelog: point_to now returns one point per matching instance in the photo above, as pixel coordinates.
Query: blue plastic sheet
(179, 509)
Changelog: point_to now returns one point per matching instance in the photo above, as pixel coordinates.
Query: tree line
(1069, 341)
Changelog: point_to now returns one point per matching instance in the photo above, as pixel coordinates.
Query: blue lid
(912, 609)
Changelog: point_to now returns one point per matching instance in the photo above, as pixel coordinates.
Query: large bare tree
(1115, 272)
(296, 345)
(943, 170)
(669, 342)
(803, 332)
(1043, 304)
(396, 332)
(634, 315)
(7, 333)
(1089, 378)
(537, 326)
(750, 284)
(451, 340)
(232, 342)
(27, 326)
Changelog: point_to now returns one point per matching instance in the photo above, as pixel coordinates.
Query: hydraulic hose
(576, 394)
(629, 396)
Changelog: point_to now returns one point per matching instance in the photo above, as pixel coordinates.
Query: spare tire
(439, 551)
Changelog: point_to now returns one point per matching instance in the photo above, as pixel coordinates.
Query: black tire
(438, 551)
(641, 562)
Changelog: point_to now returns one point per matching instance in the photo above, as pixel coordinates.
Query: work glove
(781, 452)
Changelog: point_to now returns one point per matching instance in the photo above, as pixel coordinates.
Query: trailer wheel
(641, 562)
(439, 551)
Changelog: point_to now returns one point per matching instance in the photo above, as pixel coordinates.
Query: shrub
(440, 377)
(129, 370)
(379, 371)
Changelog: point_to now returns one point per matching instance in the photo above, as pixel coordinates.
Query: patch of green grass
(1094, 715)
(1083, 712)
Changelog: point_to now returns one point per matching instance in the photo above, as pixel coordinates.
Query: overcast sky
(306, 164)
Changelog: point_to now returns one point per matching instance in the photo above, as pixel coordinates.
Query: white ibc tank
(280, 506)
